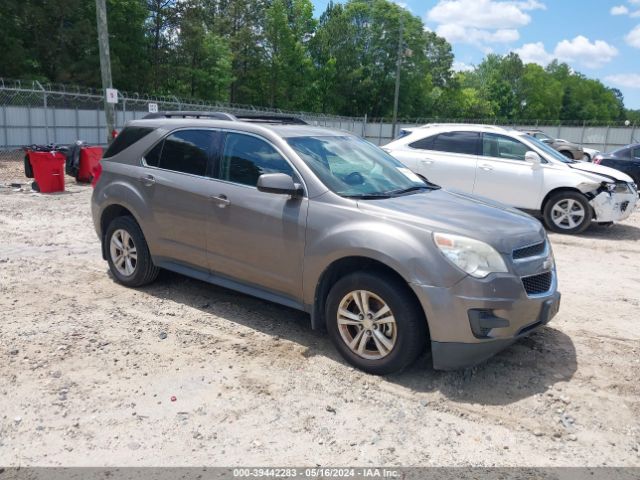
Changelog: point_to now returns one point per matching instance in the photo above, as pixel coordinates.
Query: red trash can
(48, 170)
(89, 160)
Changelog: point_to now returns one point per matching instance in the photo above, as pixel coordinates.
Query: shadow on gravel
(528, 367)
(617, 231)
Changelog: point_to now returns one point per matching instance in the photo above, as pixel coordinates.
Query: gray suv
(325, 222)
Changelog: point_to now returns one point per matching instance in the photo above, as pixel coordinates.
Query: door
(447, 159)
(177, 189)
(256, 237)
(505, 176)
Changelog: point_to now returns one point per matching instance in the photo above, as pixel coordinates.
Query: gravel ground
(185, 373)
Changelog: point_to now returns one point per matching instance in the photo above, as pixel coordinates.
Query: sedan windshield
(549, 150)
(352, 167)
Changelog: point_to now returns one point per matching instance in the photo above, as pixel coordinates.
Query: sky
(599, 38)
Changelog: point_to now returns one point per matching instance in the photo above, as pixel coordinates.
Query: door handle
(426, 162)
(221, 200)
(147, 180)
(486, 167)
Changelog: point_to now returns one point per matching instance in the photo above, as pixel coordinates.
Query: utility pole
(396, 96)
(105, 63)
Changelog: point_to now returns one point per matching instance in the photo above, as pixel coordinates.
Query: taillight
(597, 159)
(97, 171)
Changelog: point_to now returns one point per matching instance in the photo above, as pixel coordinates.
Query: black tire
(412, 332)
(567, 154)
(144, 271)
(35, 187)
(587, 157)
(562, 196)
(28, 170)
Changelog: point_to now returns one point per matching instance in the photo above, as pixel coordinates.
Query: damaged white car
(516, 169)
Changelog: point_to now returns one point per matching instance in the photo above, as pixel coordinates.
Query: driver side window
(499, 146)
(246, 157)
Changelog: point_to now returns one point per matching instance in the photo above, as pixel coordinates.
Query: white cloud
(462, 67)
(579, 51)
(629, 80)
(619, 10)
(534, 53)
(482, 22)
(459, 34)
(633, 38)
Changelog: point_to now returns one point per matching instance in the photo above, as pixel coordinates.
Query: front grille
(538, 284)
(529, 251)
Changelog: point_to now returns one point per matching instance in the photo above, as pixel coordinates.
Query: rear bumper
(475, 319)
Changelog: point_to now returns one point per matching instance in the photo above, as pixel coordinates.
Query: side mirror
(533, 158)
(279, 183)
(547, 141)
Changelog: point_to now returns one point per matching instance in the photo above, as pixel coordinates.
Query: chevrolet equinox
(325, 222)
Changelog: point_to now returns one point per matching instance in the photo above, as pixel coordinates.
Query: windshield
(352, 167)
(548, 150)
(542, 136)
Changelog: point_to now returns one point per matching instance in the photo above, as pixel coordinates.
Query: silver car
(325, 222)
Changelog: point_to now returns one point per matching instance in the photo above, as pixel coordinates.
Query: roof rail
(272, 119)
(190, 114)
(283, 119)
(493, 127)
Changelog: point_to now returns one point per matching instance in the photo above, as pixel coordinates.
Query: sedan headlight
(472, 256)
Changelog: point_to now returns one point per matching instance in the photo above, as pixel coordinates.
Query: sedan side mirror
(279, 183)
(533, 158)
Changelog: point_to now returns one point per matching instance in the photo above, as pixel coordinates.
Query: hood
(600, 173)
(502, 227)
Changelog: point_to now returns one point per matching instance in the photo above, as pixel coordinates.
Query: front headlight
(472, 256)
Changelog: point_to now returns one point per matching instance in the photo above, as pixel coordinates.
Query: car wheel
(567, 154)
(587, 157)
(567, 212)
(128, 254)
(375, 323)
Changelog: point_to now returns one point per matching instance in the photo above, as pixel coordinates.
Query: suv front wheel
(375, 323)
(128, 254)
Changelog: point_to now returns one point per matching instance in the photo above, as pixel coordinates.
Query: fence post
(380, 134)
(584, 124)
(77, 124)
(633, 133)
(606, 138)
(30, 124)
(46, 112)
(4, 123)
(364, 126)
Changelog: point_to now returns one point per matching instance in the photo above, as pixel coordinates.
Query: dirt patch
(90, 368)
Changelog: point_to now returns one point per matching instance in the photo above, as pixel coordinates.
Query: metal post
(364, 126)
(396, 96)
(46, 112)
(4, 123)
(30, 124)
(606, 138)
(584, 123)
(633, 132)
(105, 62)
(380, 133)
(77, 124)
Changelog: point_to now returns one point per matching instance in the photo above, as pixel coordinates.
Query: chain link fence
(38, 113)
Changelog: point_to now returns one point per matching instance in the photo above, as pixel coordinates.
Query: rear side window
(457, 142)
(424, 143)
(126, 138)
(186, 151)
(246, 157)
(499, 146)
(636, 153)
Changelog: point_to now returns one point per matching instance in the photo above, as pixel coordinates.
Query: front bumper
(501, 298)
(614, 207)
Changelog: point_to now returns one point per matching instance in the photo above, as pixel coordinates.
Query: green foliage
(275, 53)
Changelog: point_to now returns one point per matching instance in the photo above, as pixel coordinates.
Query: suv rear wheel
(375, 323)
(128, 254)
(567, 212)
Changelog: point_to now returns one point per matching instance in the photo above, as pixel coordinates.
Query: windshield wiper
(368, 196)
(409, 190)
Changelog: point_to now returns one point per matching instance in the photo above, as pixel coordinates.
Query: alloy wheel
(366, 325)
(123, 252)
(567, 214)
